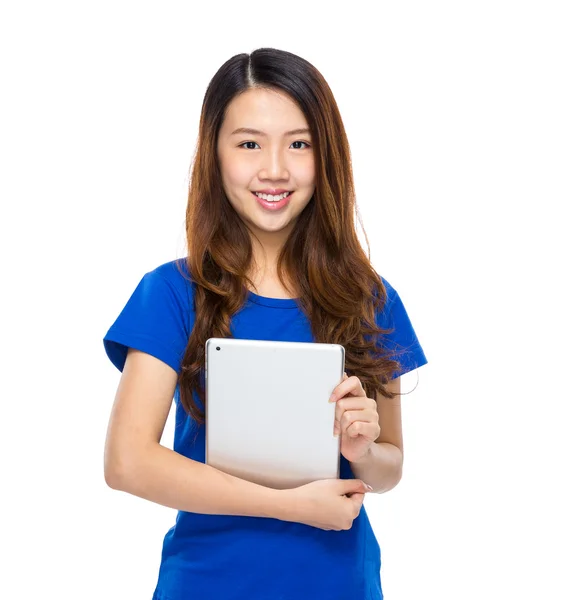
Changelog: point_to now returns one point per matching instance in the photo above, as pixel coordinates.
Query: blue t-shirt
(237, 557)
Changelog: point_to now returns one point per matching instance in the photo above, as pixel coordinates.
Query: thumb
(354, 486)
(357, 500)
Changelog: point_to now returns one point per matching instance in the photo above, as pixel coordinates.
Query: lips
(273, 206)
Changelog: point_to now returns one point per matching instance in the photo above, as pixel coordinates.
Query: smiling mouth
(271, 198)
(273, 205)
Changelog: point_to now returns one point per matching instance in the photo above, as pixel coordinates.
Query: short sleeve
(402, 340)
(154, 320)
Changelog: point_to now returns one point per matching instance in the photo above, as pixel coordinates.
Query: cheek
(230, 168)
(239, 172)
(305, 174)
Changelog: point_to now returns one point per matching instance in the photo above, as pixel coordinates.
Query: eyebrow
(257, 132)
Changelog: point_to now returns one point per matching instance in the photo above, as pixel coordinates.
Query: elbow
(116, 468)
(397, 475)
(394, 477)
(396, 480)
(113, 476)
(124, 469)
(398, 464)
(390, 485)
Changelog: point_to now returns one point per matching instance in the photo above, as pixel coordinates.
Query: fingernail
(368, 486)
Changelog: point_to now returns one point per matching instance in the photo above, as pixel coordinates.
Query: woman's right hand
(329, 504)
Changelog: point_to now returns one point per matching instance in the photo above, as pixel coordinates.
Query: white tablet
(268, 415)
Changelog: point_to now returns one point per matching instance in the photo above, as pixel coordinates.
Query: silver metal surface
(268, 419)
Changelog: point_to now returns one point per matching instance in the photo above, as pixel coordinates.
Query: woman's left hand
(356, 418)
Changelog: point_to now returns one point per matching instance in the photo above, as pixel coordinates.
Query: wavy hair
(322, 259)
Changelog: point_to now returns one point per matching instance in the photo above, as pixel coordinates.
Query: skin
(278, 160)
(274, 160)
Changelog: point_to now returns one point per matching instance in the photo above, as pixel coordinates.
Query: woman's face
(274, 158)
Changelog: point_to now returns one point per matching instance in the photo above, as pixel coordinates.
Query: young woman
(272, 255)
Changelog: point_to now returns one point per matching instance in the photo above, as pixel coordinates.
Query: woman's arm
(136, 462)
(164, 476)
(382, 467)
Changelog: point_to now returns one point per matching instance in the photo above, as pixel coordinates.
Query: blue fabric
(247, 558)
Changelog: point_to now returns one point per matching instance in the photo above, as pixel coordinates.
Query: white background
(454, 112)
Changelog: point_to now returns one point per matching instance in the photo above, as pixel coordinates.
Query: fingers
(357, 403)
(349, 386)
(348, 419)
(360, 428)
(349, 410)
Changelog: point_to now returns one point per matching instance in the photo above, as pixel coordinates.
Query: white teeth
(270, 198)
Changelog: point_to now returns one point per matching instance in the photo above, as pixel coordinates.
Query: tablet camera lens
(217, 347)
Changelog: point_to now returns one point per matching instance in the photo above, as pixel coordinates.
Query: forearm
(168, 478)
(381, 468)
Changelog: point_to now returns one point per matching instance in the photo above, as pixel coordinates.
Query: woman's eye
(247, 148)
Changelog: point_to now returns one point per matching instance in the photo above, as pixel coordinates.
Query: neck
(266, 250)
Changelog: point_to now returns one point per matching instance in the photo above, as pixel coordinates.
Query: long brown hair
(338, 289)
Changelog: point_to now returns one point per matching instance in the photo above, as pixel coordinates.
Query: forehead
(268, 110)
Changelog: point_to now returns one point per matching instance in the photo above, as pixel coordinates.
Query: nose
(274, 165)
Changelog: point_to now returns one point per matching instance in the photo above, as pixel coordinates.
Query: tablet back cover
(268, 418)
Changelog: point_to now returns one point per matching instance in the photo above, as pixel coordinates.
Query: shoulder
(174, 275)
(390, 291)
(400, 336)
(393, 314)
(157, 318)
(389, 299)
(176, 271)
